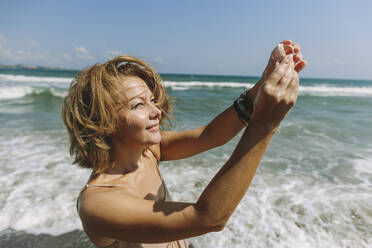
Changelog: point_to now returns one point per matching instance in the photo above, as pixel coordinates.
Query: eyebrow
(140, 96)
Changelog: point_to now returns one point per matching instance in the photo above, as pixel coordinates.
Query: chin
(155, 139)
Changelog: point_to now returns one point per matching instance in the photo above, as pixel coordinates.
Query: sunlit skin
(138, 125)
(135, 212)
(290, 48)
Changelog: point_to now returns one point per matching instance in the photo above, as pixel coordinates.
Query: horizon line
(30, 67)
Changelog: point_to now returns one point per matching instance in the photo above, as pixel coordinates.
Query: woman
(113, 113)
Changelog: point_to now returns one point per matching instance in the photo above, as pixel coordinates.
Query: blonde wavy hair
(90, 109)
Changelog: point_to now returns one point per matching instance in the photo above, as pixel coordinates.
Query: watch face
(241, 102)
(242, 109)
(248, 106)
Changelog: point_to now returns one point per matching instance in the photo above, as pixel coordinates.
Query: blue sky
(198, 37)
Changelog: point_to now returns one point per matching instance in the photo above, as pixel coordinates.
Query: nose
(155, 112)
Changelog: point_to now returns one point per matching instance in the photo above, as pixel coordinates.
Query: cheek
(136, 122)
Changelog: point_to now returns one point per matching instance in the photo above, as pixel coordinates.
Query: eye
(153, 100)
(138, 105)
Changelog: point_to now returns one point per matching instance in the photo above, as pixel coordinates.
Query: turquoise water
(313, 187)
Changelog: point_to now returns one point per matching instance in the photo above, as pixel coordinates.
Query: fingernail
(296, 50)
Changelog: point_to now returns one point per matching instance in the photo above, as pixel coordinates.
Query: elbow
(213, 225)
(207, 221)
(219, 227)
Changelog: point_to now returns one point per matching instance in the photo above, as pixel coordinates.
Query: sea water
(313, 187)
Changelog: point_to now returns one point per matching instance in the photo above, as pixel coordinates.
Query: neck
(126, 158)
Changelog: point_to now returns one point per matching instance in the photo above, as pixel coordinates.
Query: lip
(154, 127)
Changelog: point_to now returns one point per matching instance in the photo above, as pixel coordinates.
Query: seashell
(279, 53)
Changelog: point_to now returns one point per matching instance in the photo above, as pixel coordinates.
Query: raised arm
(121, 216)
(275, 98)
(177, 145)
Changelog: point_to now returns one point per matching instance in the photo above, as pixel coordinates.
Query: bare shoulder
(96, 204)
(93, 202)
(86, 199)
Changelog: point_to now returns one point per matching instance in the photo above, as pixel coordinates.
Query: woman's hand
(277, 94)
(277, 55)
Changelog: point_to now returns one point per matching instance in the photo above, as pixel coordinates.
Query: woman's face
(139, 118)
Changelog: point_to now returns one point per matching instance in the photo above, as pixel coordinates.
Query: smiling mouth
(154, 127)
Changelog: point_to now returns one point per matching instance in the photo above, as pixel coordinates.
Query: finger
(287, 78)
(279, 70)
(292, 89)
(294, 81)
(297, 57)
(286, 42)
(296, 86)
(295, 90)
(288, 49)
(297, 47)
(300, 65)
(278, 53)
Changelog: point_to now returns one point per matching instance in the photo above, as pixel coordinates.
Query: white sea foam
(15, 92)
(39, 184)
(327, 90)
(321, 90)
(281, 209)
(58, 92)
(22, 78)
(363, 169)
(191, 84)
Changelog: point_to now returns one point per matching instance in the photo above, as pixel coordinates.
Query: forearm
(183, 144)
(228, 121)
(222, 128)
(275, 98)
(227, 188)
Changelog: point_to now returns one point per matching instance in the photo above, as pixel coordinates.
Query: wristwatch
(244, 108)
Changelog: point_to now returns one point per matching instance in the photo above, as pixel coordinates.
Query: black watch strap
(243, 108)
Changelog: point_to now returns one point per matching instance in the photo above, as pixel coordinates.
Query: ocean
(313, 187)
